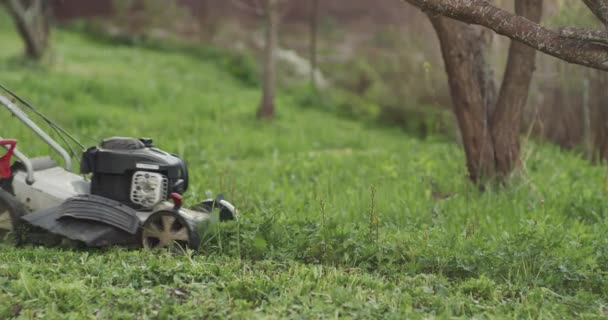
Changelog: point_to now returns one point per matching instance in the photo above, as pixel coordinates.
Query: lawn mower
(127, 192)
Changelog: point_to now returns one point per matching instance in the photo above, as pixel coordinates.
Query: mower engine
(133, 172)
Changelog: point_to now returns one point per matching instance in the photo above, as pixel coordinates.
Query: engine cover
(133, 172)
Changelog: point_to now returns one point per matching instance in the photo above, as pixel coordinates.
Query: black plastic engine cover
(115, 161)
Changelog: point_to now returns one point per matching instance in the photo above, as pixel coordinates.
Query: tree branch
(599, 9)
(33, 11)
(482, 12)
(597, 36)
(16, 8)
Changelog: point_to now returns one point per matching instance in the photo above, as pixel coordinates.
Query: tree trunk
(266, 110)
(206, 20)
(599, 113)
(505, 122)
(314, 28)
(472, 91)
(489, 126)
(598, 99)
(32, 22)
(587, 129)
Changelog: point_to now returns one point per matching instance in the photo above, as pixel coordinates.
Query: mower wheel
(167, 229)
(11, 211)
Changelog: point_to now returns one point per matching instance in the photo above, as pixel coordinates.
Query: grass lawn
(308, 244)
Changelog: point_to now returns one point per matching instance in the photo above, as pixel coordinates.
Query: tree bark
(506, 119)
(463, 49)
(32, 22)
(598, 95)
(598, 36)
(599, 114)
(516, 27)
(267, 108)
(489, 126)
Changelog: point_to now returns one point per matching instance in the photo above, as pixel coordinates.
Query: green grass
(306, 245)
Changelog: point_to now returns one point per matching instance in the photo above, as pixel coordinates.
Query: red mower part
(5, 160)
(177, 200)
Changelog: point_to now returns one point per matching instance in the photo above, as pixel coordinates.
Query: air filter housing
(148, 188)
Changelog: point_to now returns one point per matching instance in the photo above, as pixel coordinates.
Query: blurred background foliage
(381, 61)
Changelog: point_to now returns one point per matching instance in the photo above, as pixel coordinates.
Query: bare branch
(599, 9)
(482, 12)
(600, 37)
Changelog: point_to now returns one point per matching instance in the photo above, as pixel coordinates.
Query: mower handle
(17, 112)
